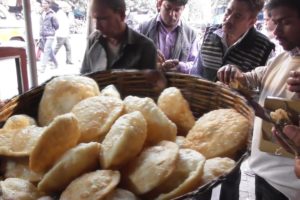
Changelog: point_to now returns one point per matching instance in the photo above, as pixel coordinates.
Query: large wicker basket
(202, 95)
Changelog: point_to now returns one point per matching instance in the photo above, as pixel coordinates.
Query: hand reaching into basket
(231, 73)
(293, 133)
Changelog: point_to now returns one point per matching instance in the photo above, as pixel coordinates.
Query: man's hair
(293, 4)
(115, 5)
(254, 5)
(179, 2)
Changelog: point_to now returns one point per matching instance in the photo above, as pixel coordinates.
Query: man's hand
(170, 65)
(293, 82)
(293, 133)
(229, 73)
(160, 58)
(2, 103)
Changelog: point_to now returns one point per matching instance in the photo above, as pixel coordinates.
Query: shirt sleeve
(186, 67)
(254, 77)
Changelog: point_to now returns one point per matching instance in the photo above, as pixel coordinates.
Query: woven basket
(203, 96)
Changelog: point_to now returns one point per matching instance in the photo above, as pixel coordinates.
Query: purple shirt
(166, 44)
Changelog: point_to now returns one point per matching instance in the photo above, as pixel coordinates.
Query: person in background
(279, 78)
(114, 45)
(235, 41)
(268, 29)
(48, 26)
(176, 42)
(63, 34)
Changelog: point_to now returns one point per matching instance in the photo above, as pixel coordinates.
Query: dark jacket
(136, 52)
(185, 39)
(49, 24)
(252, 51)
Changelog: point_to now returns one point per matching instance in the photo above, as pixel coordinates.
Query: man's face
(287, 29)
(268, 23)
(170, 13)
(108, 21)
(238, 18)
(45, 5)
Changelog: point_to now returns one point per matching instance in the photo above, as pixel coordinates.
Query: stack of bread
(92, 144)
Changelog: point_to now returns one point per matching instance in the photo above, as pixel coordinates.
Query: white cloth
(276, 170)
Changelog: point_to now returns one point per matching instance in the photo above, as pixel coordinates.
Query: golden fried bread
(19, 142)
(61, 135)
(110, 91)
(185, 178)
(62, 93)
(18, 189)
(179, 140)
(120, 194)
(177, 109)
(19, 122)
(280, 116)
(19, 168)
(216, 167)
(219, 132)
(124, 140)
(96, 115)
(152, 167)
(159, 127)
(92, 186)
(79, 160)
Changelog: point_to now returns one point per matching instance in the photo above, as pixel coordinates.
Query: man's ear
(158, 4)
(122, 14)
(253, 21)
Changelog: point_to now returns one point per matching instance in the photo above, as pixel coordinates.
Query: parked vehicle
(11, 28)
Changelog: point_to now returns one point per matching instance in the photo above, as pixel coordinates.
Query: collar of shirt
(128, 38)
(160, 22)
(295, 52)
(219, 32)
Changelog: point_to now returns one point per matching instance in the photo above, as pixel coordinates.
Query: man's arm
(149, 56)
(187, 67)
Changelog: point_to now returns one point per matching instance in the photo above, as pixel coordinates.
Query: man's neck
(118, 38)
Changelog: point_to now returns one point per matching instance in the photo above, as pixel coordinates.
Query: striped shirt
(250, 51)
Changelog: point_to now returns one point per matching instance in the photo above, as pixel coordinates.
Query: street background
(198, 14)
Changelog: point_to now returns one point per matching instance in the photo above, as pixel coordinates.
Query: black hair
(179, 2)
(115, 5)
(254, 5)
(293, 4)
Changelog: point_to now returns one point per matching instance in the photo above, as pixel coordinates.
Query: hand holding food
(230, 73)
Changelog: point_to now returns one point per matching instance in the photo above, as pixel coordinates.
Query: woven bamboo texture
(203, 96)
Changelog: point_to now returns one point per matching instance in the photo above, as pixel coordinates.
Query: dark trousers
(263, 190)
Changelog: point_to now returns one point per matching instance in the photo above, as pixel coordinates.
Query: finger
(297, 167)
(232, 74)
(220, 74)
(292, 132)
(280, 141)
(160, 55)
(227, 74)
(175, 62)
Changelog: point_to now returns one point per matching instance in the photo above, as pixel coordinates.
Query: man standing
(274, 175)
(114, 45)
(63, 33)
(176, 42)
(234, 42)
(48, 26)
